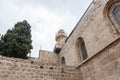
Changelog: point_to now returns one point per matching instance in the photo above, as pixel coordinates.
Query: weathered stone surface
(95, 32)
(48, 57)
(103, 66)
(102, 43)
(18, 69)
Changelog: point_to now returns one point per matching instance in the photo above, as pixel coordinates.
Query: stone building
(90, 52)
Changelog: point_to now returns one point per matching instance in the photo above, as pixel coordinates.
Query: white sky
(45, 16)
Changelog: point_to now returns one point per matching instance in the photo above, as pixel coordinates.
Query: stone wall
(94, 30)
(48, 57)
(103, 66)
(19, 69)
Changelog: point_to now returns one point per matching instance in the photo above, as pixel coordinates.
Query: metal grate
(84, 51)
(116, 13)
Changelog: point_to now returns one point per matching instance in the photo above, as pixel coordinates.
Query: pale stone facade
(95, 32)
(48, 57)
(91, 52)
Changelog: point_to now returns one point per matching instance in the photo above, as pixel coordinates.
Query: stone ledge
(92, 57)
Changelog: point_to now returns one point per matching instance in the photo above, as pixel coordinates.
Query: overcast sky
(45, 16)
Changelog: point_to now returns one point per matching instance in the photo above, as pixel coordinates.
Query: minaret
(60, 38)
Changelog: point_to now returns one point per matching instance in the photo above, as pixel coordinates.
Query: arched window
(112, 15)
(82, 52)
(63, 60)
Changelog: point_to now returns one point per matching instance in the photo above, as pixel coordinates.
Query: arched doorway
(63, 60)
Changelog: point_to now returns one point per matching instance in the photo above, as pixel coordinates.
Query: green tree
(17, 42)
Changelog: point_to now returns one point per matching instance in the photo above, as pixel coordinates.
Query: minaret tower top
(60, 38)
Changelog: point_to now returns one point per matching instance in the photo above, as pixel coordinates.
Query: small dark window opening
(32, 62)
(41, 67)
(51, 68)
(63, 60)
(84, 51)
(116, 13)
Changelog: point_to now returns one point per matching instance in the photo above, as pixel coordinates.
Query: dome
(61, 31)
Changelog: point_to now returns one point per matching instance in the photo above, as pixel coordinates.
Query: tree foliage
(17, 41)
